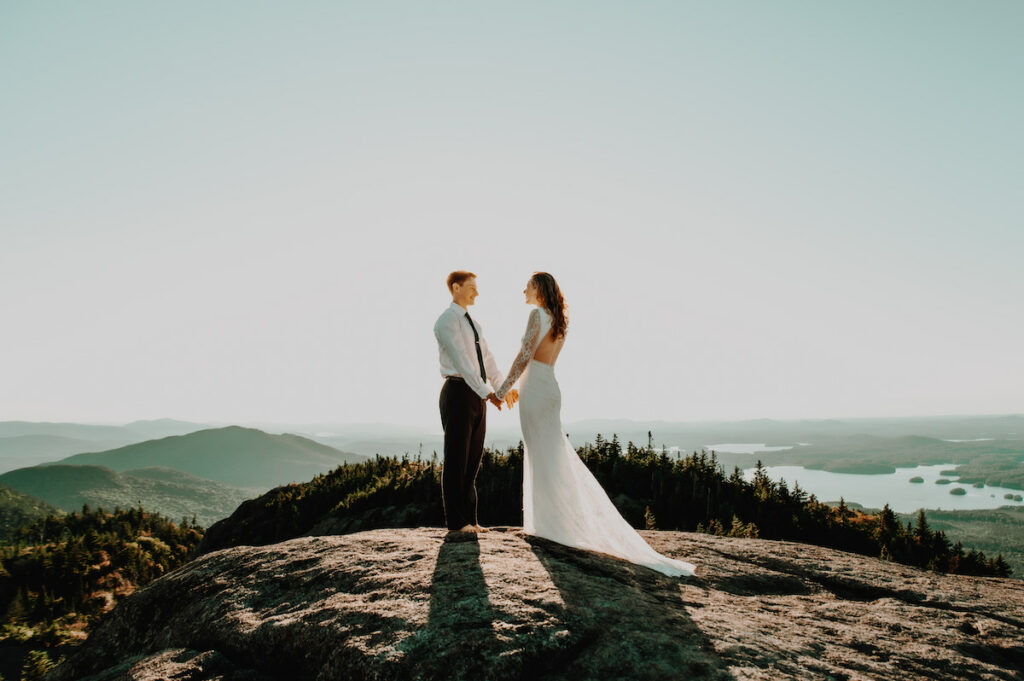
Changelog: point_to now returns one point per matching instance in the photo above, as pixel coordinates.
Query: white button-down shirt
(458, 350)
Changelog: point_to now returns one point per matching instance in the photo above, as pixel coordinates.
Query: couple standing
(562, 501)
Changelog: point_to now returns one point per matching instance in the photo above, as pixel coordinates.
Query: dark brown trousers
(464, 417)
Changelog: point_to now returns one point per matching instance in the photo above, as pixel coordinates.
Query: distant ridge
(82, 431)
(18, 451)
(243, 457)
(30, 443)
(136, 431)
(171, 493)
(155, 428)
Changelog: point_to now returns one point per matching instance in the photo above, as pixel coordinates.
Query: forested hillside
(167, 491)
(650, 488)
(60, 573)
(18, 508)
(994, 531)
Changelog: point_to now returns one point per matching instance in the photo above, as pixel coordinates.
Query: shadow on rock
(620, 621)
(458, 640)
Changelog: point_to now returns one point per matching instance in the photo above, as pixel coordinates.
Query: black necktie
(479, 355)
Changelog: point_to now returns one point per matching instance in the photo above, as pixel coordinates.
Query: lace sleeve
(531, 339)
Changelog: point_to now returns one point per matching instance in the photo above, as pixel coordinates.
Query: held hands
(511, 397)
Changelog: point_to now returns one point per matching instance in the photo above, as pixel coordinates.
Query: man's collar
(458, 308)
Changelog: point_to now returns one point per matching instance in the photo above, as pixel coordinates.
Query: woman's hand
(511, 397)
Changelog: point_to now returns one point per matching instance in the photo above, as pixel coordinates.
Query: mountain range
(171, 493)
(19, 451)
(205, 474)
(244, 457)
(26, 443)
(394, 440)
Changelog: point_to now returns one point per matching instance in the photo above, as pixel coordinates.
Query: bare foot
(481, 528)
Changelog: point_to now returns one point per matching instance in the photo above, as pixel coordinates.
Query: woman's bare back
(549, 349)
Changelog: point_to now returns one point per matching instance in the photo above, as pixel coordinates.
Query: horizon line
(350, 424)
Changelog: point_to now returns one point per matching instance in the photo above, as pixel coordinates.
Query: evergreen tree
(650, 488)
(17, 609)
(37, 663)
(650, 522)
(921, 530)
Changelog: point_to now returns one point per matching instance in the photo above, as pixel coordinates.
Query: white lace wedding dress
(562, 500)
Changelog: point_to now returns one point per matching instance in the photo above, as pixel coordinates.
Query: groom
(467, 366)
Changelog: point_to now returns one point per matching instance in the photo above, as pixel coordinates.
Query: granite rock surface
(409, 604)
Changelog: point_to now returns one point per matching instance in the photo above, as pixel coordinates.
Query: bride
(562, 500)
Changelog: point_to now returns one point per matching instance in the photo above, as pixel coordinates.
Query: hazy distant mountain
(136, 431)
(157, 428)
(18, 508)
(696, 434)
(19, 451)
(385, 445)
(390, 440)
(684, 436)
(171, 493)
(243, 457)
(24, 443)
(80, 431)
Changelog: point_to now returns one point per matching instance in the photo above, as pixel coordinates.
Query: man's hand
(511, 397)
(493, 399)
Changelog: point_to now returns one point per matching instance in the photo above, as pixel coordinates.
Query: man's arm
(449, 336)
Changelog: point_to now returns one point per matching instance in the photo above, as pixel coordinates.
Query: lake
(874, 491)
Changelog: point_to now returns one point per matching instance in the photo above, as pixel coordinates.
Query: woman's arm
(531, 339)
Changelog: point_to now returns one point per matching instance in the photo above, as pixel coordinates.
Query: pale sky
(245, 211)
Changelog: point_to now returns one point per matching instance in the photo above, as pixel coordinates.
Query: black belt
(455, 378)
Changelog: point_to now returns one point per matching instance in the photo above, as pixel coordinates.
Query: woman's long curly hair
(551, 298)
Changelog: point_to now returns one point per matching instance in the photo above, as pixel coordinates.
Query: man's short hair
(459, 277)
